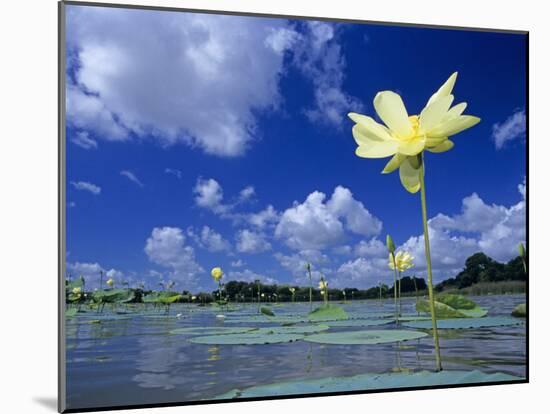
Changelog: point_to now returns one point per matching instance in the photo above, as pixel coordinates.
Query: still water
(130, 357)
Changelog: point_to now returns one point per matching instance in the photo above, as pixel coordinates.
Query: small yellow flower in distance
(217, 273)
(193, 297)
(77, 291)
(110, 282)
(292, 290)
(323, 284)
(263, 295)
(403, 261)
(403, 137)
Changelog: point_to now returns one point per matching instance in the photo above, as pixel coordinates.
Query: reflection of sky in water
(134, 360)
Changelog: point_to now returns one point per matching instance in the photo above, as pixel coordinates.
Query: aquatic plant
(405, 138)
(401, 261)
(293, 293)
(370, 381)
(308, 268)
(110, 282)
(391, 249)
(452, 306)
(327, 313)
(523, 256)
(323, 285)
(520, 311)
(217, 275)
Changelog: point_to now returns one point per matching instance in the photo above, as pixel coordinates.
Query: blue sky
(196, 141)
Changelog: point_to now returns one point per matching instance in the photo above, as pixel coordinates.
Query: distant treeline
(481, 275)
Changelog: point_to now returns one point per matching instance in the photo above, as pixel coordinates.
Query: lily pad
(69, 313)
(301, 329)
(212, 330)
(443, 311)
(365, 337)
(266, 311)
(520, 311)
(366, 382)
(466, 323)
(266, 319)
(113, 296)
(328, 313)
(252, 338)
(359, 323)
(456, 301)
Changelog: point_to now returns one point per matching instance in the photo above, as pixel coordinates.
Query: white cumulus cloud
(316, 224)
(199, 79)
(249, 241)
(166, 247)
(209, 239)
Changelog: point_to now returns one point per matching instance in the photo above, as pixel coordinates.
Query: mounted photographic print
(258, 207)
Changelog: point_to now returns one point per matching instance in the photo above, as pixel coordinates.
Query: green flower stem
(395, 288)
(438, 366)
(310, 290)
(399, 279)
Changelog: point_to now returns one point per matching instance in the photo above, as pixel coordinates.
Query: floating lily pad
(302, 329)
(266, 311)
(266, 319)
(365, 337)
(359, 323)
(69, 313)
(252, 338)
(328, 313)
(366, 382)
(212, 330)
(520, 311)
(406, 318)
(466, 323)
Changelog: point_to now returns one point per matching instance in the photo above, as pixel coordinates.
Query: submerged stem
(435, 334)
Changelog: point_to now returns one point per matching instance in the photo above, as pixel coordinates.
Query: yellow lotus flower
(217, 273)
(323, 284)
(110, 282)
(292, 290)
(403, 261)
(404, 137)
(77, 291)
(263, 295)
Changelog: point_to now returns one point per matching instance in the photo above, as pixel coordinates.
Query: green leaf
(212, 330)
(365, 337)
(456, 301)
(302, 329)
(443, 311)
(364, 382)
(466, 323)
(328, 313)
(520, 311)
(69, 313)
(349, 323)
(252, 338)
(113, 296)
(266, 311)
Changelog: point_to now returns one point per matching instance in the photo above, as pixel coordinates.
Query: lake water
(133, 359)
